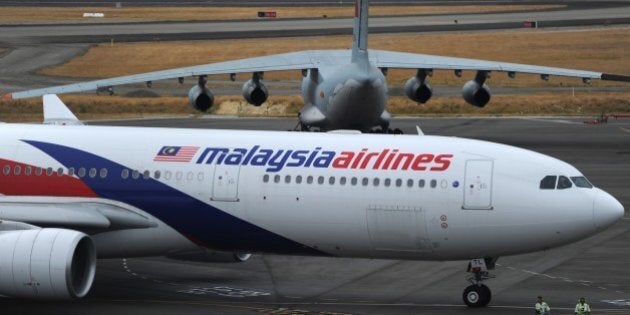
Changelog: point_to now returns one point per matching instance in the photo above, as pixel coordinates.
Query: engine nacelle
(200, 98)
(476, 94)
(418, 91)
(255, 92)
(46, 264)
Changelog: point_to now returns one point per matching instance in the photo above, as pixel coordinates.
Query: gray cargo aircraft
(342, 89)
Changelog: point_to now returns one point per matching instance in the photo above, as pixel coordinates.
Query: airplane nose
(606, 209)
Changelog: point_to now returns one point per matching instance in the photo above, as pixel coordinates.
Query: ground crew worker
(541, 307)
(582, 308)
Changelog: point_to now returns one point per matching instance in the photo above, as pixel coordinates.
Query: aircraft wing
(68, 212)
(391, 59)
(280, 62)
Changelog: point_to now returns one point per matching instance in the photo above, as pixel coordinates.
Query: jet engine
(418, 91)
(476, 92)
(417, 88)
(254, 91)
(200, 98)
(46, 264)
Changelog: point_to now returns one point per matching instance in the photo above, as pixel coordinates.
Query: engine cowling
(200, 98)
(255, 92)
(418, 91)
(46, 264)
(476, 94)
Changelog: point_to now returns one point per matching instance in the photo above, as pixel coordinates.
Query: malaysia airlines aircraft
(70, 193)
(341, 89)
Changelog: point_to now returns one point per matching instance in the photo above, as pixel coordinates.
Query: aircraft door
(478, 185)
(225, 183)
(398, 228)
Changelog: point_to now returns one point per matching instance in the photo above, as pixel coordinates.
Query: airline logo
(176, 154)
(275, 160)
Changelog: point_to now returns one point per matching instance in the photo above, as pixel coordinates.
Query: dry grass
(18, 15)
(600, 49)
(106, 107)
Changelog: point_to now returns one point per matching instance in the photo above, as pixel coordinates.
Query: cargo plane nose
(606, 209)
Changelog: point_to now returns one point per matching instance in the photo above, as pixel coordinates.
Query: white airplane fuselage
(346, 195)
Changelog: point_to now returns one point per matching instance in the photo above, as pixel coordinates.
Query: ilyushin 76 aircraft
(70, 193)
(341, 89)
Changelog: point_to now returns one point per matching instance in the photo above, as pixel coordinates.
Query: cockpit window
(564, 182)
(581, 181)
(549, 182)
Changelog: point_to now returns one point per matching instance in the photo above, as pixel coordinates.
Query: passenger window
(167, 175)
(81, 172)
(410, 183)
(124, 174)
(387, 182)
(421, 183)
(71, 171)
(60, 171)
(309, 180)
(581, 181)
(398, 182)
(365, 181)
(549, 182)
(157, 174)
(6, 170)
(276, 179)
(266, 178)
(135, 174)
(298, 179)
(92, 172)
(49, 171)
(564, 182)
(433, 183)
(27, 171)
(320, 180)
(200, 177)
(287, 179)
(354, 181)
(103, 173)
(331, 180)
(38, 171)
(17, 170)
(376, 181)
(342, 180)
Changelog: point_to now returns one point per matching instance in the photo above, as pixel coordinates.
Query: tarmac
(595, 268)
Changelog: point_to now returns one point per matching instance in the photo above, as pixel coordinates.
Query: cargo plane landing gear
(478, 294)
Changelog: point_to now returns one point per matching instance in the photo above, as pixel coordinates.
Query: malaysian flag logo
(176, 154)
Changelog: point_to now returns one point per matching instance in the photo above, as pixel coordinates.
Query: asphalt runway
(595, 268)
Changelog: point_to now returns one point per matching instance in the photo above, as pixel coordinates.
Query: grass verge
(605, 49)
(89, 107)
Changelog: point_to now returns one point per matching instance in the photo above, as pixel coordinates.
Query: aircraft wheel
(477, 295)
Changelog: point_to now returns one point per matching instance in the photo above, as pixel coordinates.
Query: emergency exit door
(225, 183)
(478, 185)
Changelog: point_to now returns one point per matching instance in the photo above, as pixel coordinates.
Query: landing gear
(478, 294)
